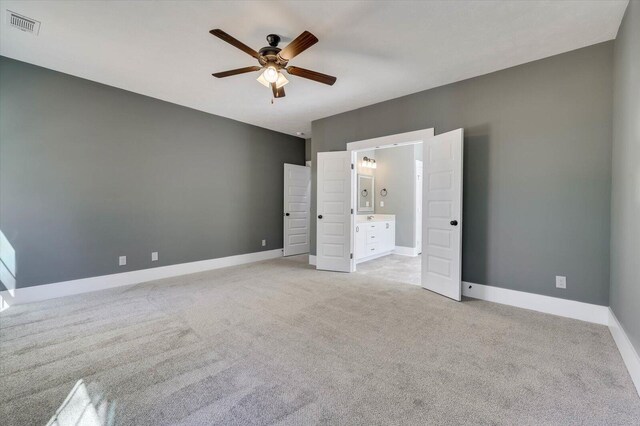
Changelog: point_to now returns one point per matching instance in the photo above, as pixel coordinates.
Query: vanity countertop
(375, 218)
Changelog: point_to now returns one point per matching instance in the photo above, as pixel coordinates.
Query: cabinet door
(389, 236)
(361, 241)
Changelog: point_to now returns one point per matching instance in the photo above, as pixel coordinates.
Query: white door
(442, 215)
(334, 212)
(418, 206)
(297, 208)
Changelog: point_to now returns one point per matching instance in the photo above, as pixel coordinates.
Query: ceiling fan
(273, 60)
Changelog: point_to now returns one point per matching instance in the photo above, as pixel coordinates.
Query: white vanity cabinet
(375, 237)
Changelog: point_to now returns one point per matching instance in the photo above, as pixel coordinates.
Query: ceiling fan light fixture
(270, 74)
(282, 80)
(262, 81)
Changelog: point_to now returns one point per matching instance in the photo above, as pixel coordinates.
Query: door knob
(286, 214)
(454, 223)
(319, 216)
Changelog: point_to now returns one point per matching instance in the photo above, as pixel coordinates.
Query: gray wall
(396, 172)
(537, 167)
(625, 196)
(307, 149)
(89, 172)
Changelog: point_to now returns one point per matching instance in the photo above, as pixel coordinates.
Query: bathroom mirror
(365, 193)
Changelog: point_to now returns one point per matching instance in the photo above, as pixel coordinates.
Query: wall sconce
(369, 163)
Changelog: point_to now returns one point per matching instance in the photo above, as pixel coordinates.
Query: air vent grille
(23, 23)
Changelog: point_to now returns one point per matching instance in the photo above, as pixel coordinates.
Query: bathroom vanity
(375, 236)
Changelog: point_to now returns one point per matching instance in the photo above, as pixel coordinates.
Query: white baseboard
(375, 256)
(406, 251)
(312, 259)
(550, 305)
(85, 285)
(629, 354)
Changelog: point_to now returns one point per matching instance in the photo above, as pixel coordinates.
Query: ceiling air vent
(23, 23)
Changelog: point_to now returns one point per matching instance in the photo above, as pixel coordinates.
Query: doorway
(386, 232)
(338, 197)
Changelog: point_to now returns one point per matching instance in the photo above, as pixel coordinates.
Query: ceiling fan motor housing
(273, 40)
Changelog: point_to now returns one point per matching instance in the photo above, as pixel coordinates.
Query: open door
(334, 212)
(297, 208)
(442, 214)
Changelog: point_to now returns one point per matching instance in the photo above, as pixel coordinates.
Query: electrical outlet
(381, 203)
(154, 256)
(264, 243)
(561, 282)
(122, 260)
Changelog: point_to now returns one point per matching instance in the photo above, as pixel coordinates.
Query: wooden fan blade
(236, 71)
(312, 75)
(277, 93)
(298, 45)
(234, 42)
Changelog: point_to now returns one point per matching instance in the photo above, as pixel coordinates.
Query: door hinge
(351, 166)
(351, 257)
(351, 211)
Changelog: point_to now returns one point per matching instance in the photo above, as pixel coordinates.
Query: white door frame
(391, 141)
(419, 176)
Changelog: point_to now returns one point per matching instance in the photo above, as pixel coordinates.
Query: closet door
(442, 214)
(297, 202)
(389, 242)
(334, 205)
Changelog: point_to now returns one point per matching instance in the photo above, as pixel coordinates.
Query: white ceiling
(378, 50)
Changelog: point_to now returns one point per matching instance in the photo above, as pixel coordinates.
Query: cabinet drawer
(374, 226)
(374, 235)
(372, 248)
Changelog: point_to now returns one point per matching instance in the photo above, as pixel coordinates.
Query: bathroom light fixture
(369, 163)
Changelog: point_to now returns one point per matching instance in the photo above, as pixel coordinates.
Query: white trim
(372, 257)
(629, 354)
(390, 141)
(85, 285)
(406, 251)
(549, 305)
(312, 259)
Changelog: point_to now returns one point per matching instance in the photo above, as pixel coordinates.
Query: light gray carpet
(277, 342)
(393, 267)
